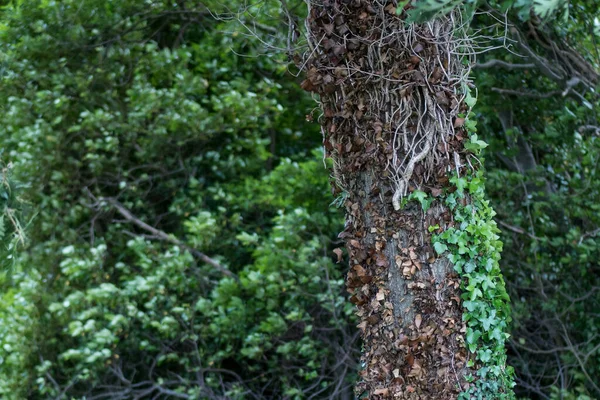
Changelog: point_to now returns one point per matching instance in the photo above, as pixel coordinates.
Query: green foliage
(475, 145)
(12, 219)
(131, 101)
(547, 208)
(473, 247)
(427, 10)
(545, 8)
(422, 198)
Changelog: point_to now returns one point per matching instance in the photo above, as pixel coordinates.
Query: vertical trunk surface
(391, 95)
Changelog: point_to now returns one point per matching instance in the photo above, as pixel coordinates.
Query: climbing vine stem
(472, 245)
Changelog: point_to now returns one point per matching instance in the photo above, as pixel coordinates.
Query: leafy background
(193, 127)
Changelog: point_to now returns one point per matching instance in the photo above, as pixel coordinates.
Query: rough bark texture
(391, 94)
(408, 300)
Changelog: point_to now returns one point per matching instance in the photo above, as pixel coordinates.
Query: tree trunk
(393, 113)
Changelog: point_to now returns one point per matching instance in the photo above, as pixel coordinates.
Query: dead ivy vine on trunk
(394, 106)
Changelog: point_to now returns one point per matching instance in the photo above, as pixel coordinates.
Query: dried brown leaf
(360, 271)
(338, 252)
(418, 320)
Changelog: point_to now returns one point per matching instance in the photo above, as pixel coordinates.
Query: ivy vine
(473, 246)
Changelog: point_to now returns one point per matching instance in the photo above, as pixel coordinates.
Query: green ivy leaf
(474, 145)
(489, 321)
(472, 336)
(440, 247)
(433, 228)
(469, 99)
(470, 305)
(422, 198)
(485, 355)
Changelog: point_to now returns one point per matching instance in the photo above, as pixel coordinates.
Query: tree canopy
(165, 189)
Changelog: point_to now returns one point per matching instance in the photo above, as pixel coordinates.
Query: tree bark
(408, 299)
(391, 95)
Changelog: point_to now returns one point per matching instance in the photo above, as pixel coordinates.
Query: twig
(586, 128)
(527, 94)
(589, 234)
(165, 237)
(503, 64)
(516, 229)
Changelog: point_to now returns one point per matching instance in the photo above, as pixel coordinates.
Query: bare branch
(165, 237)
(540, 62)
(503, 64)
(589, 234)
(586, 128)
(516, 229)
(527, 94)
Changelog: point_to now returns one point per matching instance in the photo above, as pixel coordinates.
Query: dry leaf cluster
(391, 95)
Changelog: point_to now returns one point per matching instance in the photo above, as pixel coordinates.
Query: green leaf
(475, 144)
(427, 10)
(440, 247)
(460, 183)
(422, 198)
(470, 305)
(469, 100)
(487, 322)
(470, 267)
(472, 336)
(247, 239)
(400, 6)
(485, 355)
(545, 8)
